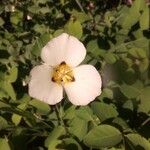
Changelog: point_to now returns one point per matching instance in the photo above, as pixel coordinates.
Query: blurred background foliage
(116, 35)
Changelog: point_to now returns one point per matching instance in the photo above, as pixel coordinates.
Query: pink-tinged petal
(41, 87)
(63, 48)
(86, 87)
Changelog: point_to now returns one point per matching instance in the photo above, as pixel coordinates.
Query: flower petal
(86, 87)
(41, 87)
(75, 52)
(63, 48)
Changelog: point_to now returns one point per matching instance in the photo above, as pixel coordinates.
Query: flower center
(62, 74)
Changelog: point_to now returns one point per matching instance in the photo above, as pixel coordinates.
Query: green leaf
(71, 144)
(58, 32)
(52, 140)
(137, 52)
(128, 105)
(3, 123)
(33, 9)
(144, 19)
(2, 76)
(104, 111)
(138, 34)
(13, 74)
(70, 112)
(129, 91)
(40, 43)
(142, 43)
(1, 21)
(110, 58)
(16, 17)
(62, 2)
(94, 49)
(3, 93)
(2, 104)
(119, 121)
(74, 27)
(113, 148)
(145, 100)
(44, 10)
(40, 28)
(17, 118)
(84, 113)
(137, 140)
(108, 18)
(25, 98)
(132, 16)
(107, 93)
(9, 89)
(81, 16)
(41, 107)
(4, 144)
(103, 136)
(78, 127)
(144, 63)
(38, 2)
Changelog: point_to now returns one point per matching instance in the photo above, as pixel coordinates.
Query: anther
(53, 79)
(63, 63)
(73, 79)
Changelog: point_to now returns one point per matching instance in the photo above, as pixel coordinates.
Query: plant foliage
(116, 36)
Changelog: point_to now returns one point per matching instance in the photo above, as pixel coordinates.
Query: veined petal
(86, 87)
(64, 48)
(41, 87)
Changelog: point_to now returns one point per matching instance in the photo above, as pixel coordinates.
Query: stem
(59, 116)
(79, 4)
(145, 122)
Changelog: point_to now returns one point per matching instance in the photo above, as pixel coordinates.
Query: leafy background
(116, 35)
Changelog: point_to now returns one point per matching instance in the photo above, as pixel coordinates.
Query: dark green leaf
(138, 141)
(129, 91)
(41, 107)
(72, 144)
(78, 127)
(17, 118)
(52, 140)
(104, 111)
(103, 136)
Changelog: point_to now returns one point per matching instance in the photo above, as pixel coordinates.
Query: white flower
(60, 70)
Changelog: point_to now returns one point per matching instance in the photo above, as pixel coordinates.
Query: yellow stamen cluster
(62, 74)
